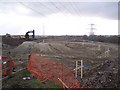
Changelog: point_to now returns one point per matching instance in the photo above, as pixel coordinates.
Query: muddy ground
(101, 71)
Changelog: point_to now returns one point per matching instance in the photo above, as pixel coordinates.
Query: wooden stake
(63, 83)
(83, 43)
(99, 47)
(81, 68)
(76, 69)
(107, 52)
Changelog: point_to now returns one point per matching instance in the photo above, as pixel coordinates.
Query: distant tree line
(7, 39)
(101, 38)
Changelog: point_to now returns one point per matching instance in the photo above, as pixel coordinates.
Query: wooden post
(83, 42)
(99, 47)
(43, 41)
(107, 52)
(63, 83)
(81, 68)
(76, 69)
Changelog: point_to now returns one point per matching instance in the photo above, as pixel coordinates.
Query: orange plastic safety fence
(43, 68)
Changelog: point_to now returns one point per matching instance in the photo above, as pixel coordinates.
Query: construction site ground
(101, 71)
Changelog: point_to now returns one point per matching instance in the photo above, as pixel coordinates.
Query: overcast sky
(58, 18)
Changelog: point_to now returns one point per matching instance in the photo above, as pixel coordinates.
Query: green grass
(50, 84)
(16, 81)
(34, 83)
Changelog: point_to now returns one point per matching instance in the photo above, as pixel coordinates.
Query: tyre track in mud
(60, 48)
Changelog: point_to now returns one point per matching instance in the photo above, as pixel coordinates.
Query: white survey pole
(83, 42)
(81, 68)
(107, 52)
(99, 47)
(76, 69)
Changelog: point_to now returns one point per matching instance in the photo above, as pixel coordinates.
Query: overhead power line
(32, 9)
(74, 7)
(64, 6)
(50, 9)
(58, 8)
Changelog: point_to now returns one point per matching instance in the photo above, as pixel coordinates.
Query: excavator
(27, 36)
(8, 65)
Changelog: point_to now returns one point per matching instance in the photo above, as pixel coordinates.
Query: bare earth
(100, 72)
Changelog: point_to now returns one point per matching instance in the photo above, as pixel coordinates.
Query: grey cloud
(102, 9)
